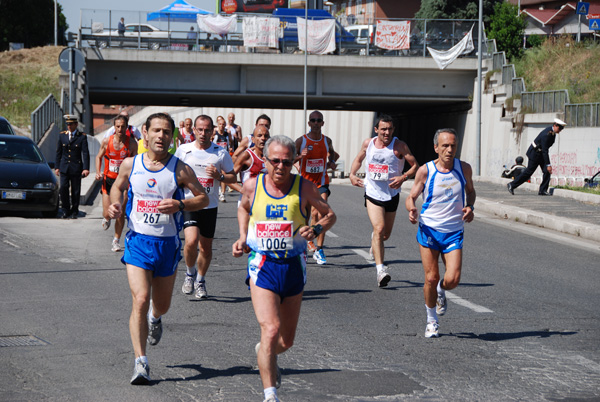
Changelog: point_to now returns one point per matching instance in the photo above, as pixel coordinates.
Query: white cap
(560, 122)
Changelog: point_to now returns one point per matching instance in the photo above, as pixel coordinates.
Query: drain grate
(21, 340)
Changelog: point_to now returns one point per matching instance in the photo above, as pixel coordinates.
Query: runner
(316, 155)
(113, 151)
(448, 198)
(248, 141)
(152, 245)
(272, 220)
(385, 155)
(222, 138)
(211, 164)
(252, 162)
(235, 130)
(186, 133)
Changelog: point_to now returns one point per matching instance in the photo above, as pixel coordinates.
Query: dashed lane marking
(331, 234)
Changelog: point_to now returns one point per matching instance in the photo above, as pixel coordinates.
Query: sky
(71, 8)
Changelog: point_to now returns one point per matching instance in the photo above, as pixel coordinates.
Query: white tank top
(146, 189)
(382, 165)
(444, 198)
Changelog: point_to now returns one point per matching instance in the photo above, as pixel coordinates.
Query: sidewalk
(566, 211)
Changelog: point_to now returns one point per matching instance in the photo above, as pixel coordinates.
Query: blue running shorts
(158, 254)
(443, 242)
(283, 276)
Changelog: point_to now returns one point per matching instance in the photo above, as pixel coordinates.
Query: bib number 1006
(274, 244)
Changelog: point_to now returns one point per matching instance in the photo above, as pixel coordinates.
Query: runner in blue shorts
(446, 185)
(272, 218)
(155, 202)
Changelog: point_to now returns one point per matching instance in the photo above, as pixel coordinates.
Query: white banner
(321, 35)
(445, 58)
(217, 24)
(393, 35)
(261, 31)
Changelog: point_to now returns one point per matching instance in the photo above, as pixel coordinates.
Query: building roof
(550, 16)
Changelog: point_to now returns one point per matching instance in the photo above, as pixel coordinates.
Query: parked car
(592, 182)
(27, 183)
(146, 32)
(5, 127)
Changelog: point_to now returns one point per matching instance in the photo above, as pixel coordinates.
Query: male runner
(248, 141)
(186, 133)
(252, 162)
(448, 196)
(152, 246)
(222, 138)
(234, 129)
(385, 155)
(114, 150)
(316, 155)
(211, 164)
(272, 220)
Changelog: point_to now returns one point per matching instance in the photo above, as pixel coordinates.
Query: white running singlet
(146, 189)
(199, 159)
(381, 166)
(444, 198)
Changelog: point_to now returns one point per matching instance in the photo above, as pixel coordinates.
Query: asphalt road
(521, 326)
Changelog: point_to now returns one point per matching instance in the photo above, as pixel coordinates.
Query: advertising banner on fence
(261, 31)
(321, 35)
(393, 35)
(250, 6)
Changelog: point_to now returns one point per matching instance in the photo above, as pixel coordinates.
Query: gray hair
(281, 140)
(443, 130)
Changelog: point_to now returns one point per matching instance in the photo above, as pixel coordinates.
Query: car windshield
(19, 150)
(5, 128)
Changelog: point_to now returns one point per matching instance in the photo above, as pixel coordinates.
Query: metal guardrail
(48, 112)
(518, 86)
(508, 73)
(545, 101)
(498, 60)
(583, 115)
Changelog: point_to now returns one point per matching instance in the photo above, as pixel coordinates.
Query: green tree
(30, 22)
(456, 9)
(508, 28)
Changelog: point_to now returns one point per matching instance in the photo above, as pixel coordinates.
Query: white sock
(380, 267)
(199, 278)
(191, 271)
(142, 359)
(151, 317)
(431, 314)
(440, 291)
(270, 391)
(116, 239)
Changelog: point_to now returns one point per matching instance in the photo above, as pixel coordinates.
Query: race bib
(222, 144)
(274, 236)
(146, 212)
(378, 172)
(207, 183)
(315, 165)
(113, 165)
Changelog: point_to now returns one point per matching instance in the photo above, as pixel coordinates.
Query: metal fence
(48, 112)
(498, 60)
(545, 101)
(583, 115)
(518, 86)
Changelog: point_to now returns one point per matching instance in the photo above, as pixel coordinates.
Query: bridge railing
(99, 29)
(48, 112)
(545, 101)
(583, 114)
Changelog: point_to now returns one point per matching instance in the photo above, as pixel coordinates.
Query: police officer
(537, 155)
(72, 163)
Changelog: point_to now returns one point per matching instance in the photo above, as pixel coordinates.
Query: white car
(146, 32)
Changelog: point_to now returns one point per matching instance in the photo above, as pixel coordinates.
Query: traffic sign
(583, 8)
(78, 59)
(595, 25)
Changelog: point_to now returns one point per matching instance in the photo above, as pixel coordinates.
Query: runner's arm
(99, 157)
(186, 178)
(121, 184)
(313, 198)
(415, 191)
(243, 213)
(468, 214)
(357, 163)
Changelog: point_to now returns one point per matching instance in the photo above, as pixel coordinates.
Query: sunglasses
(285, 162)
(316, 120)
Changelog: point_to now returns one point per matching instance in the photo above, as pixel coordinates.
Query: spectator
(192, 35)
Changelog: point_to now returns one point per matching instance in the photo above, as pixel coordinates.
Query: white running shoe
(188, 284)
(105, 223)
(155, 332)
(431, 331)
(319, 257)
(278, 378)
(441, 304)
(116, 246)
(141, 374)
(201, 290)
(272, 398)
(222, 197)
(383, 278)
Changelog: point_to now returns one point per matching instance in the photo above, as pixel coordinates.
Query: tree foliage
(508, 29)
(456, 9)
(30, 22)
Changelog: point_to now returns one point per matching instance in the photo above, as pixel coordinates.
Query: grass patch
(593, 190)
(27, 76)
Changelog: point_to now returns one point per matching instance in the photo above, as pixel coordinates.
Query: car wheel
(155, 46)
(102, 44)
(50, 214)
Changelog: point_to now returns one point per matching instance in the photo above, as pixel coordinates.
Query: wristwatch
(472, 207)
(317, 229)
(221, 177)
(181, 205)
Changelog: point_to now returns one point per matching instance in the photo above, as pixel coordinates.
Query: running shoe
(441, 305)
(116, 246)
(188, 284)
(319, 256)
(278, 378)
(383, 278)
(311, 247)
(272, 398)
(155, 332)
(432, 330)
(141, 374)
(105, 223)
(222, 197)
(201, 290)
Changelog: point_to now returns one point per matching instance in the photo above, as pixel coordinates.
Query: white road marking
(11, 244)
(465, 303)
(331, 234)
(363, 254)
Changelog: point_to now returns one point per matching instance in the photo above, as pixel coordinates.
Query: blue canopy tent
(178, 11)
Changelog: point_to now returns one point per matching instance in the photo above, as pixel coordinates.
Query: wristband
(472, 207)
(317, 229)
(181, 205)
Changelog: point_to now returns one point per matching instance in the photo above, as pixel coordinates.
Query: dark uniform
(537, 155)
(72, 158)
